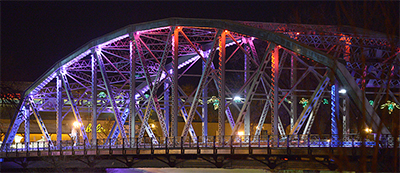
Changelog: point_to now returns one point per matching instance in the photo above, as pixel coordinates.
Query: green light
(325, 101)
(371, 102)
(147, 96)
(304, 102)
(391, 105)
(102, 95)
(215, 102)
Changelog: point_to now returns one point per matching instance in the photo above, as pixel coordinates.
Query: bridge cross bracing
(120, 75)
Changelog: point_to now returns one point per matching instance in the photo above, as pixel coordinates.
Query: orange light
(298, 33)
(240, 133)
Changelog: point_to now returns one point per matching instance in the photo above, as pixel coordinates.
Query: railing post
(223, 140)
(231, 144)
(84, 146)
(268, 147)
(319, 141)
(259, 143)
(123, 146)
(166, 145)
(308, 140)
(182, 150)
(174, 141)
(97, 146)
(6, 149)
(37, 148)
(27, 148)
(189, 143)
(277, 142)
(137, 145)
(109, 146)
(214, 148)
(61, 151)
(72, 148)
(250, 150)
(16, 149)
(151, 146)
(298, 140)
(198, 147)
(387, 141)
(48, 149)
(240, 141)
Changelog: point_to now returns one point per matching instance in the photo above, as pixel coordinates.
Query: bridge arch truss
(141, 71)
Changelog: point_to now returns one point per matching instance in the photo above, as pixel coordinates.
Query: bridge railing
(242, 141)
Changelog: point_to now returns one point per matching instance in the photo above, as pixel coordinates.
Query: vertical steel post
(247, 114)
(94, 97)
(132, 91)
(221, 83)
(27, 129)
(60, 103)
(334, 111)
(275, 99)
(293, 105)
(346, 116)
(204, 123)
(166, 105)
(174, 106)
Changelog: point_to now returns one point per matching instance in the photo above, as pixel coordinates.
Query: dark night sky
(35, 35)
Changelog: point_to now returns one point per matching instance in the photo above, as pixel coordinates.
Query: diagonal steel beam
(40, 122)
(200, 87)
(308, 109)
(73, 105)
(153, 88)
(110, 95)
(254, 84)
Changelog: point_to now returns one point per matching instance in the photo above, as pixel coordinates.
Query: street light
(240, 133)
(342, 91)
(368, 130)
(76, 124)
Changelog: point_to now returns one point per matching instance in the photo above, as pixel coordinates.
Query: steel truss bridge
(245, 69)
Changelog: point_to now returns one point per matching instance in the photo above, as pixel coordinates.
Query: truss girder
(250, 93)
(199, 37)
(40, 122)
(110, 94)
(200, 87)
(315, 98)
(311, 119)
(154, 88)
(73, 107)
(14, 125)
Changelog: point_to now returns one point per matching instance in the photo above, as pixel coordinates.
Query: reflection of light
(342, 91)
(328, 140)
(240, 133)
(152, 125)
(76, 124)
(368, 130)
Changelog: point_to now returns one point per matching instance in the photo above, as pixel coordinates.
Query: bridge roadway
(260, 152)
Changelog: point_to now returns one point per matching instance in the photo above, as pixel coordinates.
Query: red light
(298, 33)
